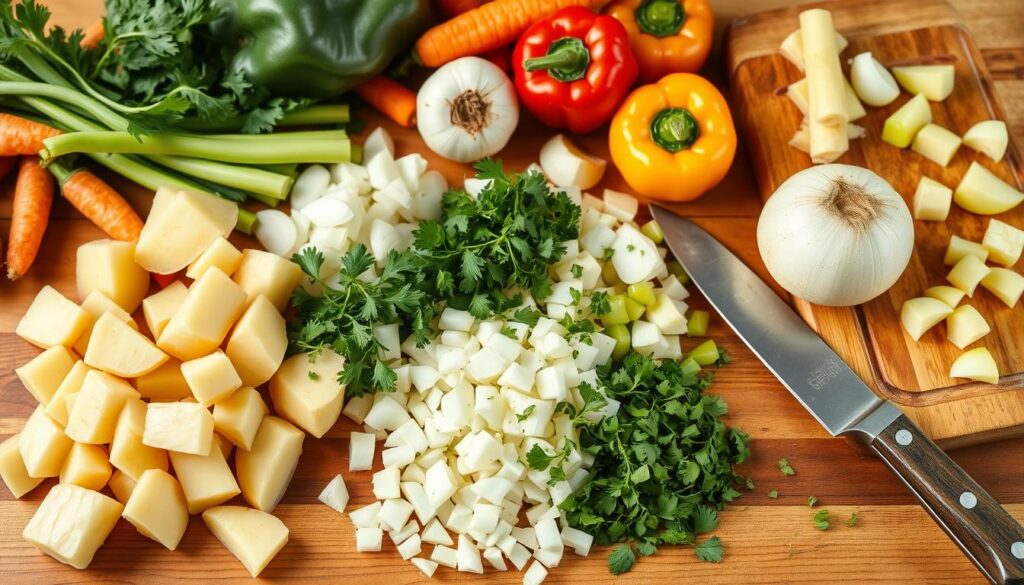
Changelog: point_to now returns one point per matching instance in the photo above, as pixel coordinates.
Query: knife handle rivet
(904, 437)
(968, 500)
(1017, 550)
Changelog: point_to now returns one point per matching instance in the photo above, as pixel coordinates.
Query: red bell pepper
(574, 68)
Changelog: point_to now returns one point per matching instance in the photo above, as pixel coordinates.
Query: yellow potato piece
(211, 378)
(1004, 242)
(164, 384)
(226, 447)
(1005, 284)
(258, 342)
(221, 254)
(977, 365)
(308, 393)
(43, 374)
(57, 409)
(12, 468)
(52, 320)
(72, 523)
(183, 427)
(206, 479)
(118, 349)
(982, 192)
(263, 273)
(967, 274)
(43, 445)
(947, 294)
(965, 325)
(921, 314)
(96, 304)
(158, 308)
(93, 416)
(238, 418)
(109, 267)
(121, 485)
(127, 451)
(204, 319)
(86, 466)
(265, 471)
(254, 537)
(180, 226)
(157, 508)
(959, 247)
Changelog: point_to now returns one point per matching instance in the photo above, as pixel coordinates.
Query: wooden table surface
(767, 540)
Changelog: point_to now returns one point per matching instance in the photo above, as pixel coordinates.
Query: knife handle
(985, 532)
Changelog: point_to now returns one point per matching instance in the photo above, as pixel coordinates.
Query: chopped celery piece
(689, 366)
(679, 272)
(705, 354)
(904, 124)
(697, 324)
(634, 309)
(617, 314)
(641, 292)
(611, 278)
(653, 231)
(620, 333)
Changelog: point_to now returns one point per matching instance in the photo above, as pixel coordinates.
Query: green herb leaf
(621, 559)
(785, 467)
(527, 412)
(539, 459)
(773, 494)
(711, 550)
(852, 520)
(313, 375)
(812, 501)
(705, 519)
(821, 519)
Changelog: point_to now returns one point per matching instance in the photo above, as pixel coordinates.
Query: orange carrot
(486, 27)
(101, 204)
(450, 8)
(33, 197)
(390, 98)
(19, 136)
(93, 35)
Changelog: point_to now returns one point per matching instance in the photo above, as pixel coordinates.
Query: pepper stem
(674, 129)
(567, 60)
(661, 18)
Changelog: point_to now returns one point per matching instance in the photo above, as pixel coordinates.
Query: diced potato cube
(265, 471)
(121, 485)
(43, 374)
(936, 144)
(1003, 242)
(86, 466)
(1005, 284)
(57, 409)
(238, 417)
(989, 138)
(258, 343)
(180, 226)
(96, 304)
(164, 384)
(211, 378)
(308, 393)
(254, 537)
(967, 274)
(976, 364)
(157, 508)
(12, 468)
(118, 349)
(932, 200)
(226, 447)
(127, 451)
(965, 325)
(200, 325)
(72, 523)
(158, 308)
(109, 267)
(52, 320)
(184, 427)
(921, 314)
(221, 254)
(935, 82)
(982, 192)
(959, 247)
(94, 415)
(903, 125)
(263, 273)
(206, 479)
(947, 294)
(43, 445)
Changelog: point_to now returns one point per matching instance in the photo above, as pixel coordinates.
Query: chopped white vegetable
(426, 566)
(366, 517)
(309, 186)
(468, 556)
(410, 547)
(369, 539)
(361, 447)
(566, 165)
(394, 513)
(328, 212)
(535, 575)
(635, 256)
(434, 533)
(444, 555)
(495, 558)
(275, 231)
(385, 483)
(377, 141)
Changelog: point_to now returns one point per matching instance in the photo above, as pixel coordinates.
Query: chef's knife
(844, 405)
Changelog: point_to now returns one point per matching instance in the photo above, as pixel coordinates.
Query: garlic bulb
(836, 235)
(467, 110)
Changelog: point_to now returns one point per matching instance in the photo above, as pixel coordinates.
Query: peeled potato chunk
(183, 427)
(947, 294)
(989, 138)
(1004, 242)
(976, 364)
(43, 374)
(180, 226)
(43, 445)
(12, 468)
(118, 349)
(211, 378)
(57, 409)
(932, 200)
(982, 192)
(258, 342)
(221, 254)
(109, 267)
(164, 384)
(122, 486)
(127, 451)
(86, 466)
(238, 417)
(254, 537)
(206, 479)
(921, 314)
(265, 471)
(965, 325)
(934, 81)
(52, 320)
(96, 304)
(1005, 284)
(72, 523)
(158, 308)
(967, 274)
(157, 508)
(959, 247)
(93, 416)
(263, 273)
(211, 306)
(306, 391)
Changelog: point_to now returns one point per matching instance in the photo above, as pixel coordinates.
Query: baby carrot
(33, 197)
(390, 98)
(99, 202)
(19, 136)
(93, 35)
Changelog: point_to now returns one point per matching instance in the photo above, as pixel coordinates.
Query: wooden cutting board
(870, 337)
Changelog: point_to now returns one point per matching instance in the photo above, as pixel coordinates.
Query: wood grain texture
(913, 374)
(769, 541)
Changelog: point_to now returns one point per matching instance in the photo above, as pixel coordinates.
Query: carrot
(93, 35)
(33, 197)
(390, 98)
(19, 136)
(450, 8)
(100, 203)
(486, 27)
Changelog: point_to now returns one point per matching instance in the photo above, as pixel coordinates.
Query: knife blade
(843, 404)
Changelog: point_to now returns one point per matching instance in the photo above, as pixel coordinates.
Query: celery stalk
(319, 115)
(253, 180)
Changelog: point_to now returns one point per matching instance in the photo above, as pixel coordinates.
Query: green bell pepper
(318, 48)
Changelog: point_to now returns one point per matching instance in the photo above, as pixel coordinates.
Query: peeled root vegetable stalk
(33, 197)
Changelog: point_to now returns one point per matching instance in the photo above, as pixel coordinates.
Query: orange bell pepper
(667, 36)
(674, 139)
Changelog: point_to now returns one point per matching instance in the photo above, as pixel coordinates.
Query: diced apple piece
(184, 427)
(109, 267)
(989, 138)
(181, 225)
(958, 248)
(206, 479)
(221, 254)
(935, 82)
(52, 320)
(254, 537)
(566, 165)
(94, 415)
(43, 445)
(238, 418)
(308, 393)
(1004, 242)
(72, 523)
(86, 466)
(57, 409)
(121, 485)
(258, 342)
(904, 124)
(932, 200)
(1005, 284)
(921, 314)
(127, 451)
(12, 468)
(159, 307)
(265, 471)
(967, 274)
(965, 325)
(43, 374)
(204, 319)
(976, 364)
(118, 349)
(263, 273)
(947, 294)
(211, 378)
(936, 144)
(164, 384)
(157, 508)
(982, 192)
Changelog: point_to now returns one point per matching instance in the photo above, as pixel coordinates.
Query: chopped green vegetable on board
(821, 519)
(852, 520)
(711, 550)
(812, 501)
(773, 494)
(785, 467)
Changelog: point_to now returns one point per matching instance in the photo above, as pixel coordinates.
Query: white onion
(836, 235)
(873, 83)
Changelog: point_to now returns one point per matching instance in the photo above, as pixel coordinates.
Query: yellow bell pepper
(667, 36)
(674, 139)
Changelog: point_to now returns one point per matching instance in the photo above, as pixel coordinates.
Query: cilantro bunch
(663, 464)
